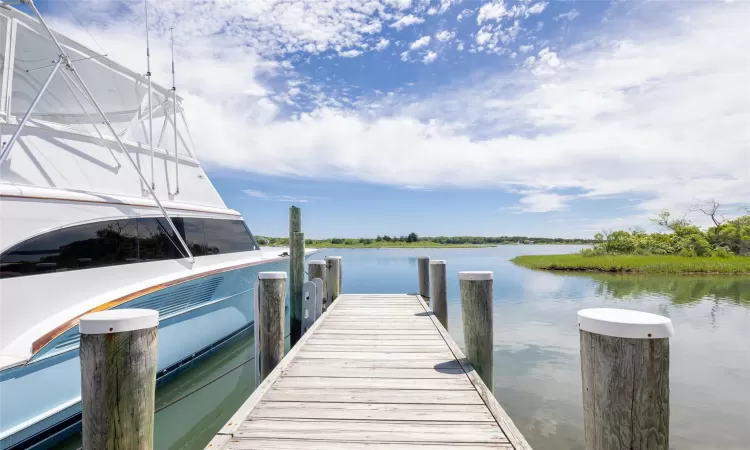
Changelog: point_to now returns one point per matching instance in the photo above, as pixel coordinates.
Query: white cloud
(545, 63)
(525, 48)
(405, 56)
(445, 35)
(537, 8)
(429, 57)
(400, 4)
(371, 28)
(539, 202)
(460, 46)
(483, 36)
(412, 187)
(350, 53)
(382, 44)
(406, 21)
(655, 110)
(419, 43)
(491, 11)
(276, 198)
(570, 15)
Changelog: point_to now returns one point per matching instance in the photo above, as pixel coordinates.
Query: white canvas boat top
(66, 169)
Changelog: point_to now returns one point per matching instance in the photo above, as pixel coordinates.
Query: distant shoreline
(637, 264)
(422, 244)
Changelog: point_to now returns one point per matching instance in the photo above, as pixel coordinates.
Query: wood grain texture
(476, 316)
(220, 441)
(271, 324)
(423, 275)
(371, 411)
(373, 430)
(439, 293)
(118, 384)
(625, 392)
(309, 444)
(502, 418)
(397, 385)
(296, 281)
(333, 279)
(434, 384)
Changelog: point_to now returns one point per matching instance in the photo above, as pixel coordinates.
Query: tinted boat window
(156, 240)
(191, 230)
(122, 242)
(79, 247)
(227, 236)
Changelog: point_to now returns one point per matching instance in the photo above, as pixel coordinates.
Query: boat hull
(44, 394)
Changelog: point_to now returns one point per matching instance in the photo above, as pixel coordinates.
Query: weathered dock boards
(376, 371)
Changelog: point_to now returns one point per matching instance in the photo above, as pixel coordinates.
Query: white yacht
(103, 204)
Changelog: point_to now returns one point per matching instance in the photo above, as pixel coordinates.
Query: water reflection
(537, 366)
(685, 289)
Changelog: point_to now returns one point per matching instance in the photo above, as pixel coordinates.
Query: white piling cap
(316, 261)
(272, 275)
(439, 262)
(333, 257)
(476, 275)
(625, 323)
(118, 321)
(423, 257)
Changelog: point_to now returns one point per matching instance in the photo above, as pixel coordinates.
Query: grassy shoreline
(637, 264)
(376, 245)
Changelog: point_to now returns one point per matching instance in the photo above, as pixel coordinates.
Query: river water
(537, 365)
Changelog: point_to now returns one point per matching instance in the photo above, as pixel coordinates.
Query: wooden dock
(375, 371)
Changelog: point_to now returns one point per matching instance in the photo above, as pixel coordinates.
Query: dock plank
(448, 384)
(373, 430)
(367, 411)
(376, 371)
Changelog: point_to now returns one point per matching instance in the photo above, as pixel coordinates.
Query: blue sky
(451, 117)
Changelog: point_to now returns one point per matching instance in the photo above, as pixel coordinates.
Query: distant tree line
(413, 237)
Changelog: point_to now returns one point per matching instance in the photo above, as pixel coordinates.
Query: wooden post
(439, 291)
(423, 268)
(476, 313)
(118, 378)
(625, 372)
(272, 292)
(317, 269)
(295, 222)
(296, 280)
(333, 278)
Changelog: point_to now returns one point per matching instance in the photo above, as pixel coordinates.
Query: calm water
(536, 348)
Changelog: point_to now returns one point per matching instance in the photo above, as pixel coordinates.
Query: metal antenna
(174, 119)
(150, 110)
(82, 84)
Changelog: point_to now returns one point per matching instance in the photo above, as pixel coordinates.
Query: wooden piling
(272, 292)
(333, 278)
(423, 270)
(476, 312)
(317, 269)
(118, 378)
(296, 280)
(439, 291)
(625, 372)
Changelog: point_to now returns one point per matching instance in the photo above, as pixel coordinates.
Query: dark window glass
(227, 236)
(124, 241)
(191, 230)
(79, 247)
(156, 240)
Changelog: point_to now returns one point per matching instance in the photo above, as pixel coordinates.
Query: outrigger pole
(65, 59)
